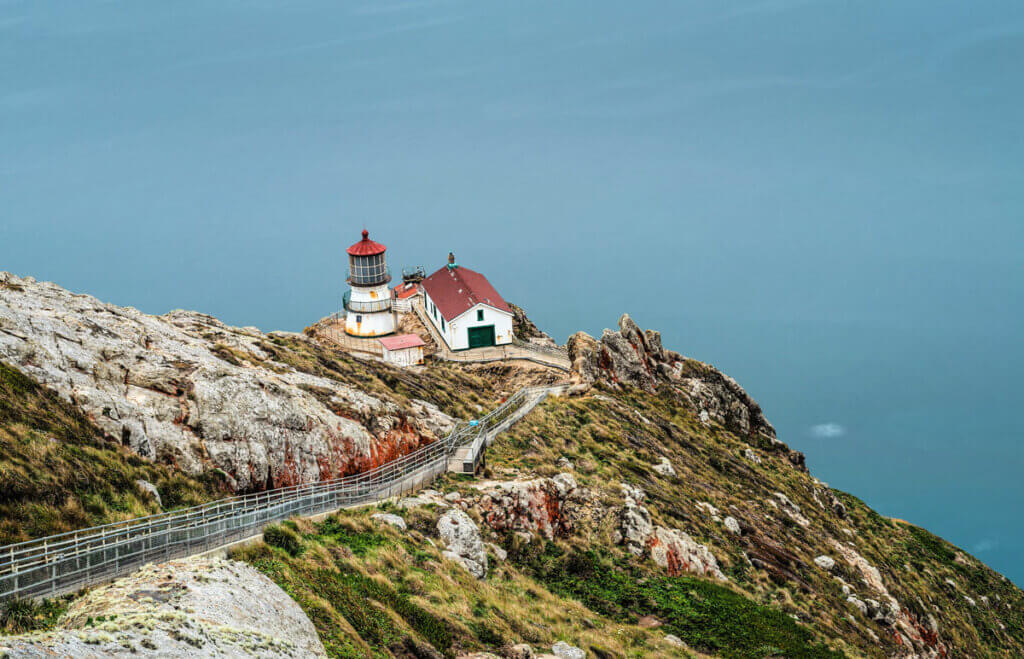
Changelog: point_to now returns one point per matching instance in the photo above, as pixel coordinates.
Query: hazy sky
(822, 198)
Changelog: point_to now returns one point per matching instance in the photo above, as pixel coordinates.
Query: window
(359, 319)
(479, 314)
(442, 325)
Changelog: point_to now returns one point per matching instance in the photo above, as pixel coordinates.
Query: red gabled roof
(403, 291)
(401, 341)
(457, 290)
(366, 247)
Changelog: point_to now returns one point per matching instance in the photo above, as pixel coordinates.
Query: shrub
(18, 616)
(285, 538)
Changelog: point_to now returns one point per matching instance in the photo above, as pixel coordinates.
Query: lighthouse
(368, 302)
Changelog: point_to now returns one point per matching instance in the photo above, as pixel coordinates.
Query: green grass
(372, 590)
(58, 472)
(332, 589)
(24, 615)
(707, 616)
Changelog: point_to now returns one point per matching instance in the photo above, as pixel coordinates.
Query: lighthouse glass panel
(367, 269)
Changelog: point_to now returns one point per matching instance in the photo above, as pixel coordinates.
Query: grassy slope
(58, 473)
(580, 589)
(615, 437)
(372, 591)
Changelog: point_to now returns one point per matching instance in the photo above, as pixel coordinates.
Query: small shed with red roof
(403, 350)
(465, 308)
(404, 294)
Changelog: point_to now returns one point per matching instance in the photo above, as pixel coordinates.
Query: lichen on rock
(196, 607)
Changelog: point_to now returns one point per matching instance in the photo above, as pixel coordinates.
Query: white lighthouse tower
(368, 302)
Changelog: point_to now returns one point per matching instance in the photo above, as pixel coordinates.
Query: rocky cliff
(187, 390)
(649, 511)
(634, 357)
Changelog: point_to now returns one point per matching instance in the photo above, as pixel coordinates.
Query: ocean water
(824, 199)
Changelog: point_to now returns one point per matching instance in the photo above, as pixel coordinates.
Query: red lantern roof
(366, 247)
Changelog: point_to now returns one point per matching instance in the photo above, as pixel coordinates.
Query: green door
(481, 336)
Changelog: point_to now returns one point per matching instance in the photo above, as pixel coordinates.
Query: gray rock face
(565, 651)
(547, 506)
(671, 549)
(150, 489)
(636, 357)
(665, 468)
(825, 563)
(678, 553)
(196, 607)
(635, 525)
(465, 546)
(387, 518)
(186, 389)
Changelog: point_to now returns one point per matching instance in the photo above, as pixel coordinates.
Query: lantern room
(366, 263)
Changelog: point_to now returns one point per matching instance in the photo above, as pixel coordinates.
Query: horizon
(821, 200)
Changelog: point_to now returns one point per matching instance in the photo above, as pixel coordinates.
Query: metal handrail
(67, 561)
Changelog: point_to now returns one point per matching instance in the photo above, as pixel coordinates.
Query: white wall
(456, 333)
(446, 333)
(404, 356)
(369, 324)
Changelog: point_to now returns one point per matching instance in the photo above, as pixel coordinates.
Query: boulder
(518, 651)
(635, 525)
(678, 553)
(150, 489)
(195, 607)
(464, 544)
(546, 506)
(858, 604)
(791, 509)
(673, 640)
(665, 468)
(732, 526)
(387, 518)
(565, 651)
(826, 563)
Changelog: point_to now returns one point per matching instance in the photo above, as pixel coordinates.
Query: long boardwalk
(64, 563)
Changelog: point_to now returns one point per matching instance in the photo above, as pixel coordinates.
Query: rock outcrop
(636, 357)
(186, 389)
(546, 506)
(671, 549)
(197, 607)
(464, 544)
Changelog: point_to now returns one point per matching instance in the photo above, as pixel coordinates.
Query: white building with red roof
(465, 309)
(403, 349)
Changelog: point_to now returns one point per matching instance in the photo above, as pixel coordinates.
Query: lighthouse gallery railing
(63, 563)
